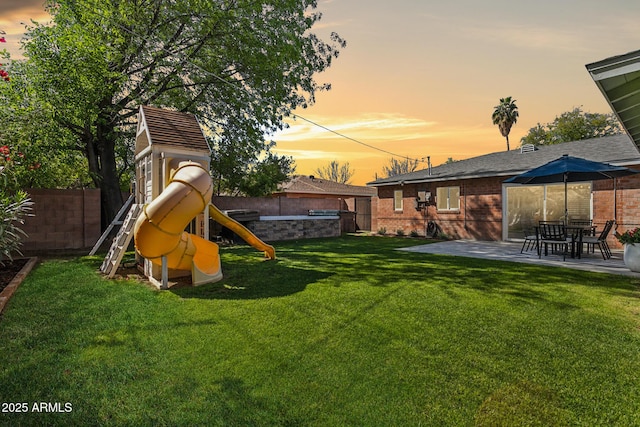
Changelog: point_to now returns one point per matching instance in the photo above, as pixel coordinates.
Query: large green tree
(505, 115)
(241, 66)
(573, 125)
(45, 161)
(249, 177)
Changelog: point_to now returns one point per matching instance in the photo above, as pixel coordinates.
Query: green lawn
(336, 332)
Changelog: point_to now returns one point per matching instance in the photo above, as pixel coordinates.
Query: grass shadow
(268, 279)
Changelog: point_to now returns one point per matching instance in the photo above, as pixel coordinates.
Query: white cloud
(367, 127)
(302, 154)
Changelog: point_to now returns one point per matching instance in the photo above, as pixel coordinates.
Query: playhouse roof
(169, 128)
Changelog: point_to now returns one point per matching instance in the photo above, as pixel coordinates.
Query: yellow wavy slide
(246, 235)
(159, 230)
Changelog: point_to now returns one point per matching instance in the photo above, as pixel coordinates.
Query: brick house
(311, 186)
(468, 199)
(353, 198)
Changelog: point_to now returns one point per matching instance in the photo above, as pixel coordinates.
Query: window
(397, 200)
(448, 198)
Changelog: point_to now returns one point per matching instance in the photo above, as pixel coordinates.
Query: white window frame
(448, 207)
(398, 196)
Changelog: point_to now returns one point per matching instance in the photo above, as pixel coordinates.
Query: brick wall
(480, 214)
(479, 217)
(63, 219)
(627, 204)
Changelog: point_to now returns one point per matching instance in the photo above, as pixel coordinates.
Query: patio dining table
(575, 231)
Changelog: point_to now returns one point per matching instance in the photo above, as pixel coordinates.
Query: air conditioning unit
(423, 200)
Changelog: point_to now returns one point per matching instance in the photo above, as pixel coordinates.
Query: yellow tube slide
(241, 231)
(159, 230)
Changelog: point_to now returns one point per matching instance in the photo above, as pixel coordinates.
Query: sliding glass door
(527, 204)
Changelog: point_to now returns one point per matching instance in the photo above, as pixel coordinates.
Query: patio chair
(530, 240)
(600, 240)
(553, 234)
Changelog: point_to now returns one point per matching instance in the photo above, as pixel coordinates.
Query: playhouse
(170, 216)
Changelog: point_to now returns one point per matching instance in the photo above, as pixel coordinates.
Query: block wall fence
(62, 220)
(70, 219)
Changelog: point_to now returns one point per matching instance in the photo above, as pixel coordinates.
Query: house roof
(311, 185)
(617, 150)
(168, 127)
(618, 78)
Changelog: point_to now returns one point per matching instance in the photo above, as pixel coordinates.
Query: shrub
(382, 231)
(15, 205)
(399, 232)
(13, 209)
(414, 233)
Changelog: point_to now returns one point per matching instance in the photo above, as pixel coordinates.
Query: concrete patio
(510, 251)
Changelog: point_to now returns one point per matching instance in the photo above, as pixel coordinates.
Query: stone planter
(632, 256)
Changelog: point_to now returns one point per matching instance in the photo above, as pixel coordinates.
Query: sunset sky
(420, 78)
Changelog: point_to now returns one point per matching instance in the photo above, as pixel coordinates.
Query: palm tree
(505, 115)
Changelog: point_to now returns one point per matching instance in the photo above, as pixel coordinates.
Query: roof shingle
(618, 150)
(170, 127)
(303, 184)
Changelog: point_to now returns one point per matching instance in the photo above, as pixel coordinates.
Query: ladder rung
(120, 242)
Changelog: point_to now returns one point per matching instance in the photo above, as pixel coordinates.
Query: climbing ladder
(116, 221)
(120, 242)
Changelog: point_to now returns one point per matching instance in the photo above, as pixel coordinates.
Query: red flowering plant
(629, 236)
(3, 73)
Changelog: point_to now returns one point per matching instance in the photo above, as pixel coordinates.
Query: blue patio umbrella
(570, 169)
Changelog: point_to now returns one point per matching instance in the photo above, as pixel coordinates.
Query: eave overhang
(618, 78)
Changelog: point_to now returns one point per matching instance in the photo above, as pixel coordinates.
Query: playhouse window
(448, 198)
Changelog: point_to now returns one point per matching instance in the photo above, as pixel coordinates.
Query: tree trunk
(100, 152)
(507, 137)
(110, 194)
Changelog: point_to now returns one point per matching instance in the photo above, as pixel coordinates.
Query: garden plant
(15, 205)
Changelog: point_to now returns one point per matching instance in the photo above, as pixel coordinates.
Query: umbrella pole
(615, 202)
(566, 210)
